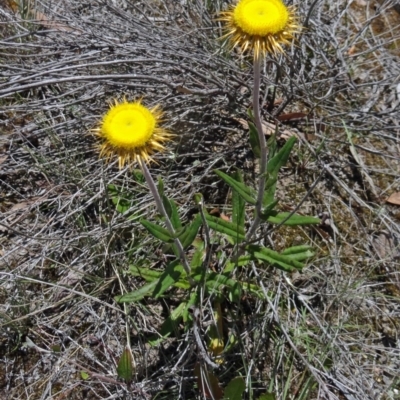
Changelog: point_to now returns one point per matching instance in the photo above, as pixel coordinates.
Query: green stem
(263, 148)
(163, 212)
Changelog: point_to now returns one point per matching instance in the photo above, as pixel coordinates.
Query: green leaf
(298, 253)
(146, 273)
(214, 281)
(123, 205)
(270, 189)
(190, 231)
(238, 204)
(280, 159)
(271, 144)
(169, 205)
(198, 199)
(175, 220)
(125, 366)
(151, 275)
(225, 227)
(235, 389)
(137, 295)
(84, 375)
(121, 201)
(283, 262)
(157, 231)
(267, 396)
(294, 220)
(247, 193)
(168, 278)
(241, 262)
(254, 140)
(138, 176)
(253, 289)
(172, 212)
(268, 208)
(274, 165)
(197, 259)
(160, 186)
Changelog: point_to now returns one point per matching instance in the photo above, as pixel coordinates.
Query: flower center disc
(261, 17)
(128, 125)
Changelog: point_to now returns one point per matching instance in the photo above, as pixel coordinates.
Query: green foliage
(276, 161)
(248, 194)
(158, 231)
(235, 389)
(227, 228)
(122, 201)
(189, 233)
(267, 396)
(137, 295)
(286, 218)
(125, 366)
(287, 263)
(169, 277)
(170, 206)
(254, 140)
(224, 283)
(223, 239)
(238, 204)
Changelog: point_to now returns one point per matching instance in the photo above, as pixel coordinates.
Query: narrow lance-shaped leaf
(144, 272)
(240, 262)
(274, 165)
(268, 209)
(137, 295)
(215, 280)
(272, 145)
(247, 193)
(169, 205)
(157, 231)
(172, 212)
(293, 220)
(274, 258)
(168, 278)
(160, 187)
(189, 234)
(197, 259)
(151, 276)
(225, 227)
(254, 140)
(298, 253)
(281, 158)
(238, 204)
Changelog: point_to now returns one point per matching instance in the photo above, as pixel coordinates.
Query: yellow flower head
(132, 132)
(263, 26)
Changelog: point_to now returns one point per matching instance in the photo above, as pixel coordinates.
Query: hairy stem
(263, 147)
(163, 212)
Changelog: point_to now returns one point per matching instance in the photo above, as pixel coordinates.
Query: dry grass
(330, 332)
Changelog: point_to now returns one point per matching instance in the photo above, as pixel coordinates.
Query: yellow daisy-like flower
(263, 26)
(132, 132)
